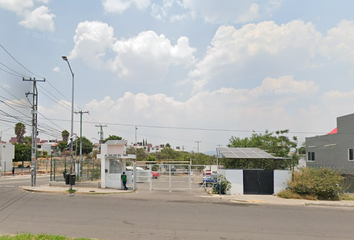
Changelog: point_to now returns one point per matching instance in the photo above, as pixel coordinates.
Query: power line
(19, 62)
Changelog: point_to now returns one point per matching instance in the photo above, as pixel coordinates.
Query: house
(7, 154)
(335, 149)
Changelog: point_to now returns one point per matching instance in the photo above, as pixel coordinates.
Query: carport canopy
(245, 153)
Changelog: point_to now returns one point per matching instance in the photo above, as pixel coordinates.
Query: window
(311, 156)
(350, 154)
(115, 166)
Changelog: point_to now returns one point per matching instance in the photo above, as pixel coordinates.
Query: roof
(245, 153)
(334, 131)
(116, 142)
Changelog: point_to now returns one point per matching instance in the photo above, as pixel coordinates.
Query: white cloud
(119, 6)
(230, 11)
(39, 19)
(146, 57)
(339, 42)
(225, 108)
(270, 48)
(92, 39)
(285, 85)
(56, 69)
(17, 6)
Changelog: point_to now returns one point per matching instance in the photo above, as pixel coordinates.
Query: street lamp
(72, 121)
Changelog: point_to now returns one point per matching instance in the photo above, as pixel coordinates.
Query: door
(258, 182)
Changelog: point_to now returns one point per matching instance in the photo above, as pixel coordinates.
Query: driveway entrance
(173, 177)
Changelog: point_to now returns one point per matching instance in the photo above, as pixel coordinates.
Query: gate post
(169, 181)
(150, 176)
(189, 176)
(134, 175)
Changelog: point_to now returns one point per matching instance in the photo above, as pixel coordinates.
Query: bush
(323, 183)
(225, 185)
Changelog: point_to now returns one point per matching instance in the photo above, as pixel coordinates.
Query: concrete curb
(78, 191)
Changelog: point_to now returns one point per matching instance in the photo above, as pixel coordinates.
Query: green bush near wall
(322, 183)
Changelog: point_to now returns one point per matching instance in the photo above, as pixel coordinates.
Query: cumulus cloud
(92, 40)
(17, 6)
(40, 19)
(233, 108)
(146, 57)
(339, 43)
(119, 6)
(230, 11)
(270, 48)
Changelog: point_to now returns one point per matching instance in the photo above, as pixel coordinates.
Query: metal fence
(85, 170)
(171, 177)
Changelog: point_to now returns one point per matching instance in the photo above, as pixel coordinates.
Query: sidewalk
(79, 190)
(270, 199)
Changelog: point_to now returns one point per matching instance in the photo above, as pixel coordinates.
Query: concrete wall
(281, 179)
(235, 177)
(7, 154)
(332, 150)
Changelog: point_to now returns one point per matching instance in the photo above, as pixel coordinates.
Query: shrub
(225, 185)
(323, 183)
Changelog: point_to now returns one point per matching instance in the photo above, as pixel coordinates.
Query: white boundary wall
(235, 177)
(281, 179)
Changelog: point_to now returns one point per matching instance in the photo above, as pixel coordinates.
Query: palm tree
(65, 134)
(20, 130)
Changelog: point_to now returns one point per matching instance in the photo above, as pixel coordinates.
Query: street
(162, 215)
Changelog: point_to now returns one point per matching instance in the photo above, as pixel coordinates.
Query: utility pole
(101, 132)
(81, 112)
(198, 145)
(34, 128)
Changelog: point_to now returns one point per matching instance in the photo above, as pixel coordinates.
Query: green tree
(22, 152)
(278, 144)
(168, 145)
(65, 135)
(62, 146)
(112, 137)
(87, 145)
(20, 130)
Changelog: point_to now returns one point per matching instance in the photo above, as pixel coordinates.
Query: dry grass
(288, 194)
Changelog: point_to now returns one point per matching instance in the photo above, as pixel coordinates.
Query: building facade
(335, 149)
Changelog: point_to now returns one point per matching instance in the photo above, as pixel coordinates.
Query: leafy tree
(62, 146)
(20, 130)
(168, 145)
(22, 152)
(278, 144)
(65, 135)
(87, 145)
(27, 140)
(112, 137)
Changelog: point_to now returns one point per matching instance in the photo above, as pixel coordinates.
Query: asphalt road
(163, 215)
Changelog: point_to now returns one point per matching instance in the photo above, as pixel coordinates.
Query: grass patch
(71, 191)
(346, 197)
(28, 236)
(288, 194)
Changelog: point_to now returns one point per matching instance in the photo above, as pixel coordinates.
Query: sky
(186, 72)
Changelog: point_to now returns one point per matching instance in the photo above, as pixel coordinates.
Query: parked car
(210, 180)
(155, 174)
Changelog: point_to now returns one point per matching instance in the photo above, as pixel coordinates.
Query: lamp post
(72, 121)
